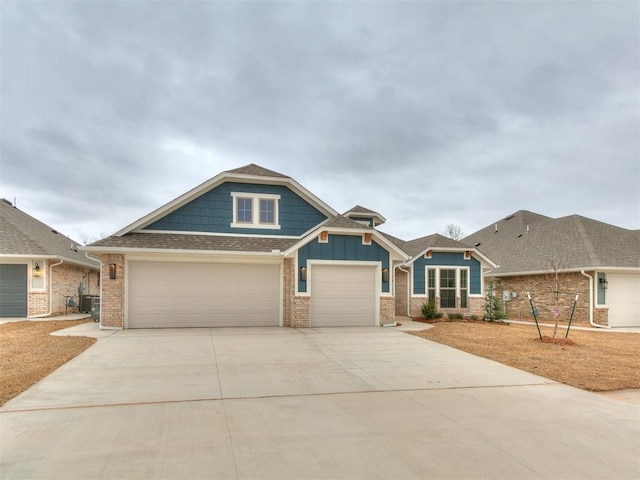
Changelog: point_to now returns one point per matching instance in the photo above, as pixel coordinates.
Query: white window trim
(43, 275)
(255, 210)
(437, 269)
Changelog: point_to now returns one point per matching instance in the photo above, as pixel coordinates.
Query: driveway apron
(307, 403)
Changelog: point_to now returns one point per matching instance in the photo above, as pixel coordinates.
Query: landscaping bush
(429, 310)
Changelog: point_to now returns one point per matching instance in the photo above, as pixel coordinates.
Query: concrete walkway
(307, 403)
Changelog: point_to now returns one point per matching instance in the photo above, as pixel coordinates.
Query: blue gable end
(447, 259)
(212, 212)
(342, 247)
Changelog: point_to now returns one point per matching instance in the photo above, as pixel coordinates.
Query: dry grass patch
(597, 361)
(28, 353)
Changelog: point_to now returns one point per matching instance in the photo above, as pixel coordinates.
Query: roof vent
(54, 231)
(509, 217)
(7, 202)
(478, 244)
(496, 228)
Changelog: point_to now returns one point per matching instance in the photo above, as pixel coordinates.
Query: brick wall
(387, 309)
(38, 302)
(66, 280)
(475, 307)
(300, 312)
(541, 288)
(112, 303)
(401, 285)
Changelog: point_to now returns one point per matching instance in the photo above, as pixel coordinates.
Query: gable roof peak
(256, 170)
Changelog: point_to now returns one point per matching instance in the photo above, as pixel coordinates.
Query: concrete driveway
(328, 403)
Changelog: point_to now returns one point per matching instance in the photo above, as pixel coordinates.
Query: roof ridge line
(586, 240)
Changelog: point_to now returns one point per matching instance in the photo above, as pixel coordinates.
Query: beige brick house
(40, 269)
(597, 261)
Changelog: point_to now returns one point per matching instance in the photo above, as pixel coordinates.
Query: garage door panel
(13, 290)
(343, 295)
(164, 294)
(623, 299)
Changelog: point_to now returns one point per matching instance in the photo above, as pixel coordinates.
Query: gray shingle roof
(527, 242)
(340, 221)
(22, 234)
(419, 245)
(253, 169)
(170, 241)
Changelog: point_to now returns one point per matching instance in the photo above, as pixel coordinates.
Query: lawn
(598, 361)
(28, 352)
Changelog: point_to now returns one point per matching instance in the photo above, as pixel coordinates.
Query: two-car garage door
(166, 294)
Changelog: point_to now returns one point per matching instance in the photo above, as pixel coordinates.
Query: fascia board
(218, 180)
(483, 258)
(381, 239)
(568, 270)
(51, 257)
(180, 251)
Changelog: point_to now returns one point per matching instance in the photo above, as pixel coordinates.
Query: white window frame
(255, 210)
(458, 293)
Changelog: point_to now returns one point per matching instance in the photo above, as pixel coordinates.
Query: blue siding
(447, 259)
(343, 247)
(212, 212)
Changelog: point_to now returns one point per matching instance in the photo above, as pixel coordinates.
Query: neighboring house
(597, 261)
(252, 247)
(39, 267)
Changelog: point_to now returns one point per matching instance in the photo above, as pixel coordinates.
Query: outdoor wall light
(385, 274)
(604, 283)
(303, 274)
(112, 271)
(36, 270)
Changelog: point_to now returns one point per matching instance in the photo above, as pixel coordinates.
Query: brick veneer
(476, 307)
(65, 279)
(401, 286)
(540, 287)
(112, 306)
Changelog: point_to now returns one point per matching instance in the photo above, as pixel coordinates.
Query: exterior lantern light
(36, 270)
(112, 271)
(604, 283)
(385, 274)
(303, 274)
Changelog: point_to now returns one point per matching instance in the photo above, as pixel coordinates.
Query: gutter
(50, 291)
(591, 322)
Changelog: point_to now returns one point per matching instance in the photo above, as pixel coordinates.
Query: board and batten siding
(343, 248)
(212, 212)
(447, 259)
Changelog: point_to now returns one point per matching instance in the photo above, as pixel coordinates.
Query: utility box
(86, 302)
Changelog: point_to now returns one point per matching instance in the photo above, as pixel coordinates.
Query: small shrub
(429, 310)
(473, 317)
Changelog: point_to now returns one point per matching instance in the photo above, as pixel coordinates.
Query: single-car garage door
(13, 290)
(166, 294)
(343, 295)
(623, 298)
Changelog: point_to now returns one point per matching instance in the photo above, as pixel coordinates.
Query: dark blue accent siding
(447, 259)
(343, 247)
(212, 212)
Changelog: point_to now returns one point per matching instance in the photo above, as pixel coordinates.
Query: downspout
(591, 322)
(50, 291)
(86, 254)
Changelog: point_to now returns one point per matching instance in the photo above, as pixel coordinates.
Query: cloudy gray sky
(430, 112)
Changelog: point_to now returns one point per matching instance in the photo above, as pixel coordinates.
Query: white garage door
(623, 299)
(165, 294)
(343, 296)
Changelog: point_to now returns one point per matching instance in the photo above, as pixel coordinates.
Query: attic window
(255, 210)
